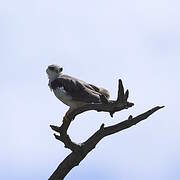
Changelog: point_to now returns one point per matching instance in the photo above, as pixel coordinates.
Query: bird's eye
(51, 68)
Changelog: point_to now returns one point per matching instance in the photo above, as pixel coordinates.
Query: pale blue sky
(99, 42)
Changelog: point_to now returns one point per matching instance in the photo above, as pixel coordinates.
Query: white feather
(61, 94)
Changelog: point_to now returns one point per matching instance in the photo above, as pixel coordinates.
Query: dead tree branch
(79, 151)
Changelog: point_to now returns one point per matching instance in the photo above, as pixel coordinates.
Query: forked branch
(79, 151)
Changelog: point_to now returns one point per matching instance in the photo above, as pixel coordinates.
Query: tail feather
(100, 90)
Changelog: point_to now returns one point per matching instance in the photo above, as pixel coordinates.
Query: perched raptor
(74, 92)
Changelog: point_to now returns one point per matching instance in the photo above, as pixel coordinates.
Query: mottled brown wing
(77, 89)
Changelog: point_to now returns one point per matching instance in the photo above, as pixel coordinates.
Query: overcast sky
(99, 42)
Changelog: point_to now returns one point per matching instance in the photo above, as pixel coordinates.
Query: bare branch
(130, 121)
(67, 142)
(96, 137)
(79, 151)
(106, 106)
(76, 157)
(111, 106)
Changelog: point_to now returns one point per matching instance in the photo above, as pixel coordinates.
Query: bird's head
(53, 71)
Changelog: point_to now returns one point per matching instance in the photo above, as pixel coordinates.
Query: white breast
(61, 94)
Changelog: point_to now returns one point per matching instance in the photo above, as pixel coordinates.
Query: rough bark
(79, 151)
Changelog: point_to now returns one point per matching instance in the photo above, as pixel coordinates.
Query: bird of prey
(72, 91)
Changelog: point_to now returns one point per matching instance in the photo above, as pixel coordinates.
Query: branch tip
(56, 136)
(130, 104)
(111, 114)
(102, 126)
(130, 117)
(120, 97)
(157, 108)
(126, 95)
(55, 128)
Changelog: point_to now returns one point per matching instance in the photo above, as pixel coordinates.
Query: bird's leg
(68, 114)
(66, 121)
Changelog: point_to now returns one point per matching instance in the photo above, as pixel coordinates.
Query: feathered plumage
(71, 91)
